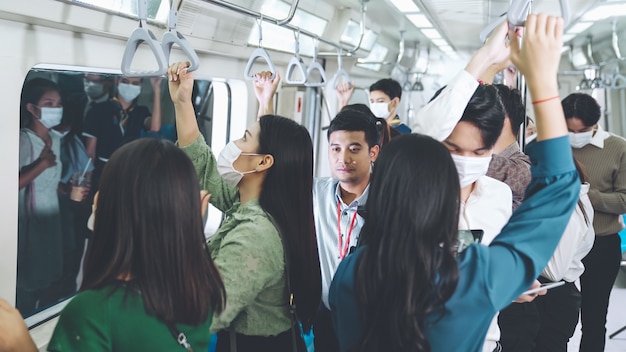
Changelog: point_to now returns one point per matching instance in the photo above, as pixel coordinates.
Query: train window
(157, 9)
(71, 121)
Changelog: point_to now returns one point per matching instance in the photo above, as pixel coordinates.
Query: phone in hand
(467, 237)
(545, 286)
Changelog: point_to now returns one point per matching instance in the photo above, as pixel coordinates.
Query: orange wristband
(546, 99)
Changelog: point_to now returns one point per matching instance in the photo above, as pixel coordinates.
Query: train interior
(313, 44)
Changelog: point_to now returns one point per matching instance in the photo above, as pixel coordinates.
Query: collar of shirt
(599, 137)
(355, 203)
(510, 150)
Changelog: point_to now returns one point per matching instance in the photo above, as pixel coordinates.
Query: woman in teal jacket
(403, 289)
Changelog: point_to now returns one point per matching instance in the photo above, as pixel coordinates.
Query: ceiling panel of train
(450, 27)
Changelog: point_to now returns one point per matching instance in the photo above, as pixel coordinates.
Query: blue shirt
(490, 278)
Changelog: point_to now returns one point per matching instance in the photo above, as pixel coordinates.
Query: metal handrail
(517, 13)
(250, 13)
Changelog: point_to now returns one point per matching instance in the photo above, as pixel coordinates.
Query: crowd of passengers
(370, 260)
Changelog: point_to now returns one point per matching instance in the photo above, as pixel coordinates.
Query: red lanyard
(343, 249)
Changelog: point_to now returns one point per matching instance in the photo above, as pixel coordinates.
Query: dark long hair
(384, 132)
(32, 91)
(148, 225)
(408, 269)
(287, 196)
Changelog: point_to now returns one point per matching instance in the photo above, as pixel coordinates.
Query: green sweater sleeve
(223, 196)
(83, 326)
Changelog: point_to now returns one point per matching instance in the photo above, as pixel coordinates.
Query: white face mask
(225, 164)
(581, 139)
(51, 117)
(380, 110)
(128, 91)
(93, 89)
(470, 168)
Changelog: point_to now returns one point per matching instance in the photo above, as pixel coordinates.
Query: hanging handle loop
(143, 35)
(259, 53)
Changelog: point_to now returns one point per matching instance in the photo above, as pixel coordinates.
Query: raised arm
(264, 90)
(439, 117)
(181, 86)
(344, 93)
(538, 60)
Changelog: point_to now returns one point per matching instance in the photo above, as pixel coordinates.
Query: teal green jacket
(490, 277)
(248, 253)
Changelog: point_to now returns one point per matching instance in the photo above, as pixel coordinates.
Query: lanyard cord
(343, 249)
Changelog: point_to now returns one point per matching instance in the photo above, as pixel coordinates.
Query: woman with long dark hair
(263, 182)
(404, 289)
(148, 282)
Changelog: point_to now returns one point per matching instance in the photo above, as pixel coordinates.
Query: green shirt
(98, 320)
(248, 252)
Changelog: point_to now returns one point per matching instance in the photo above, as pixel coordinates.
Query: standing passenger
(147, 274)
(39, 232)
(385, 95)
(353, 148)
(263, 183)
(403, 289)
(604, 157)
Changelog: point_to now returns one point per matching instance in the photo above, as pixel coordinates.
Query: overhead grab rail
(296, 63)
(284, 23)
(140, 35)
(172, 36)
(315, 66)
(259, 53)
(517, 13)
(340, 72)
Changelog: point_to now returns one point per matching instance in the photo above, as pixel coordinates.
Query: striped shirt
(326, 197)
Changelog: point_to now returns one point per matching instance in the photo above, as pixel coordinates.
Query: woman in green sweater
(149, 283)
(263, 183)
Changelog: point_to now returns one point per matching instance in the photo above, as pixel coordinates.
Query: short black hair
(513, 106)
(485, 111)
(355, 120)
(582, 106)
(389, 86)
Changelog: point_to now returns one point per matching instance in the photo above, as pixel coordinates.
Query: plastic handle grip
(340, 73)
(256, 54)
(138, 36)
(315, 66)
(171, 38)
(296, 63)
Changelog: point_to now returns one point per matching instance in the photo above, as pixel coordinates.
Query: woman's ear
(266, 162)
(30, 107)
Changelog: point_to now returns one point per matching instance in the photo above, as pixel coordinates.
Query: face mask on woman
(94, 89)
(380, 110)
(128, 91)
(51, 117)
(225, 164)
(470, 168)
(581, 139)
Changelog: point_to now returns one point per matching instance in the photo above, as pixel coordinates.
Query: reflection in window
(70, 124)
(157, 9)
